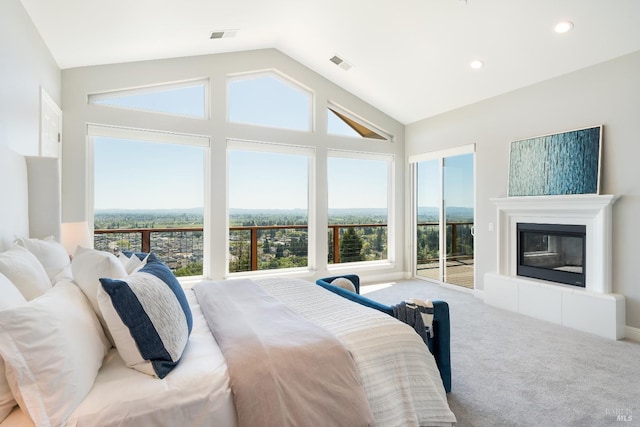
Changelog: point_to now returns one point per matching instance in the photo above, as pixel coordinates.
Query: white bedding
(398, 373)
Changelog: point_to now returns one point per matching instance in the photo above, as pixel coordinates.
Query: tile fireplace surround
(594, 308)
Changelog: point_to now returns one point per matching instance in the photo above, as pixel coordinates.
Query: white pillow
(149, 318)
(11, 297)
(51, 254)
(344, 283)
(132, 263)
(88, 266)
(24, 270)
(53, 348)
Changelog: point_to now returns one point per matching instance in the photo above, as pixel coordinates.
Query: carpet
(513, 370)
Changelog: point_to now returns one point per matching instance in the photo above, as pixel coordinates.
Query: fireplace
(552, 252)
(582, 230)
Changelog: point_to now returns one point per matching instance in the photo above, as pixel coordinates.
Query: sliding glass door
(444, 216)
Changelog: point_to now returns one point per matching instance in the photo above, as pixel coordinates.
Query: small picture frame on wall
(556, 164)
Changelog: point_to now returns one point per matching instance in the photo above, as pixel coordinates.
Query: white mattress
(399, 374)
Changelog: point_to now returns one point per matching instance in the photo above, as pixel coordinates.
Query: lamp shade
(75, 234)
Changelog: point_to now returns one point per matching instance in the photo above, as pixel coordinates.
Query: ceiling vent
(222, 34)
(340, 62)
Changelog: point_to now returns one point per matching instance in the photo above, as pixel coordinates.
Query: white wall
(607, 94)
(26, 65)
(79, 82)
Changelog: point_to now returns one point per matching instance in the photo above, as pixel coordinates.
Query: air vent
(340, 62)
(222, 34)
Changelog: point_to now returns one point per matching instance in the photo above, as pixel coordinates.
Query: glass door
(444, 217)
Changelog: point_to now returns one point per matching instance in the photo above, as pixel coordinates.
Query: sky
(457, 186)
(132, 174)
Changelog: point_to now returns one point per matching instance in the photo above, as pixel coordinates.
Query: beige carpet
(512, 370)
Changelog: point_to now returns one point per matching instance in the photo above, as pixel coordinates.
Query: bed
(395, 371)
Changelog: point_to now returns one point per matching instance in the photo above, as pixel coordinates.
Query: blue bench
(439, 345)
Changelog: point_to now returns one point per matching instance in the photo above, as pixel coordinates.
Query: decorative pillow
(344, 283)
(88, 266)
(51, 254)
(11, 297)
(53, 348)
(24, 270)
(131, 262)
(149, 318)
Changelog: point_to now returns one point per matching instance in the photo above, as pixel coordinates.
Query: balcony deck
(458, 272)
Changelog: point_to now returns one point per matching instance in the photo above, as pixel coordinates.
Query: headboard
(29, 197)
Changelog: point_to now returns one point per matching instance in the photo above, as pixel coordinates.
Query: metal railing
(181, 246)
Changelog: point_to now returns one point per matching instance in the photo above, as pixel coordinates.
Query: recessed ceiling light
(563, 27)
(476, 64)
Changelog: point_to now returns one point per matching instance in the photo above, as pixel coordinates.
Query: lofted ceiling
(409, 58)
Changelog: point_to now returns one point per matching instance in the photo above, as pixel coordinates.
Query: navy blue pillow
(150, 309)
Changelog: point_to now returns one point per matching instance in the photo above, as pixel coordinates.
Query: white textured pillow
(88, 267)
(51, 254)
(24, 270)
(53, 348)
(132, 263)
(149, 318)
(344, 283)
(11, 297)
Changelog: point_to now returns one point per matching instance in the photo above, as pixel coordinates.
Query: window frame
(236, 144)
(154, 88)
(284, 79)
(160, 137)
(332, 107)
(390, 159)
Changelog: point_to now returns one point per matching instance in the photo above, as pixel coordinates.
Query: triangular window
(181, 99)
(269, 99)
(339, 122)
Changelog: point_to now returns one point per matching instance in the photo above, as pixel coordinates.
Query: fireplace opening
(553, 252)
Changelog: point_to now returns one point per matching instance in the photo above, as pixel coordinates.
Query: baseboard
(632, 334)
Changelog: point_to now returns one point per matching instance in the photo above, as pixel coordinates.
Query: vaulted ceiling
(409, 58)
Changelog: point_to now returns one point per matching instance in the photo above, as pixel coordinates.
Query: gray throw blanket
(412, 315)
(284, 370)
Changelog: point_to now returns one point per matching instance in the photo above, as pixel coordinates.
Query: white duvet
(398, 373)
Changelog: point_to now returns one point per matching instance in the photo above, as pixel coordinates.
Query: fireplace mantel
(593, 211)
(593, 308)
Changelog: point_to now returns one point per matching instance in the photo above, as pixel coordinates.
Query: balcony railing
(250, 247)
(277, 246)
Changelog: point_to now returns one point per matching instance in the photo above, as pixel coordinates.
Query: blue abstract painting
(562, 163)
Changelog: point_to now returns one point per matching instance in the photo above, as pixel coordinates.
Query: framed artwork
(556, 164)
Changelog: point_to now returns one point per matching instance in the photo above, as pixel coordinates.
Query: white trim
(362, 155)
(632, 333)
(449, 152)
(121, 132)
(269, 147)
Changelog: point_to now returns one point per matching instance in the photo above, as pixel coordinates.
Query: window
(138, 206)
(341, 122)
(269, 99)
(183, 99)
(268, 193)
(359, 206)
